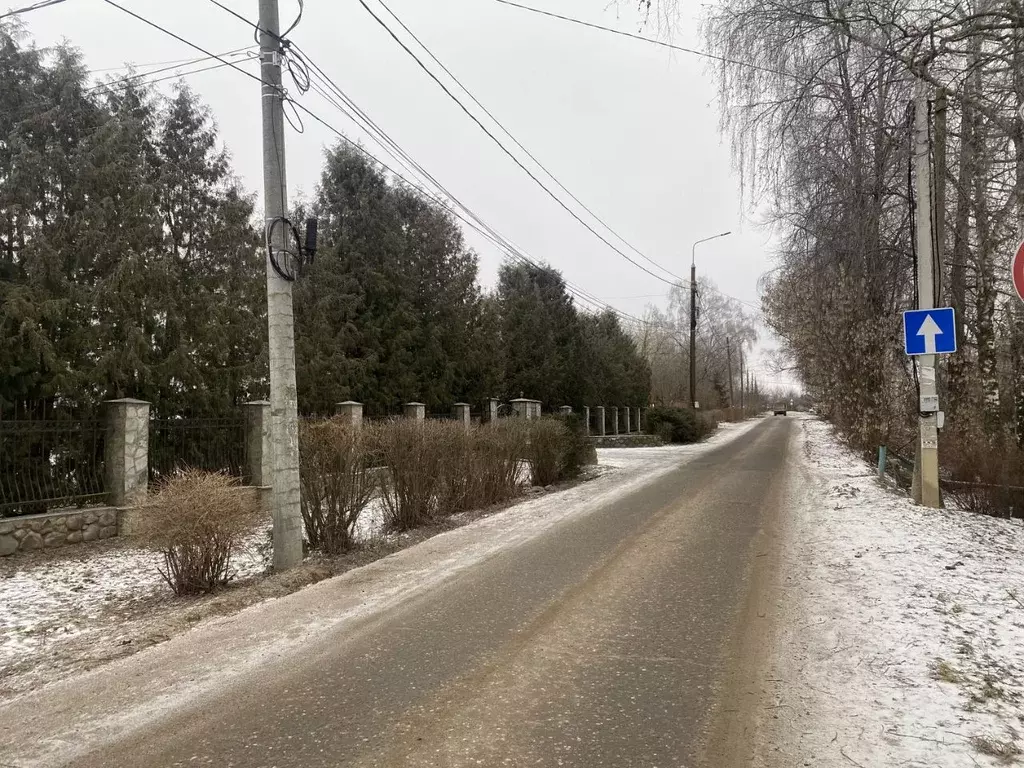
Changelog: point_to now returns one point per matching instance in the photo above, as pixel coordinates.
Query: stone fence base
(56, 529)
(627, 441)
(77, 526)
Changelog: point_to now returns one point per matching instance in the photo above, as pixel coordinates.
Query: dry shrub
(496, 457)
(410, 451)
(335, 481)
(548, 450)
(982, 474)
(440, 468)
(479, 466)
(197, 521)
(457, 484)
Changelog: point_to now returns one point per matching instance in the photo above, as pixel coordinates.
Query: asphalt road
(622, 638)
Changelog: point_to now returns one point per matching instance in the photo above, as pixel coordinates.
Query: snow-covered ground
(60, 594)
(77, 600)
(903, 637)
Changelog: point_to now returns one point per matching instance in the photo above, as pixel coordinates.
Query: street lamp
(693, 250)
(693, 316)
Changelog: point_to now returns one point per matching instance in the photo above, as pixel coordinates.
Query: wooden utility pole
(926, 491)
(284, 427)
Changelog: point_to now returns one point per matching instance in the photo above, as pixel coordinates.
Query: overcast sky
(630, 128)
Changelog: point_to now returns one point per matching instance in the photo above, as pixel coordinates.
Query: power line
(519, 144)
(259, 79)
(365, 123)
(173, 66)
(651, 40)
(513, 251)
(512, 155)
(33, 7)
(181, 62)
(181, 39)
(471, 219)
(175, 76)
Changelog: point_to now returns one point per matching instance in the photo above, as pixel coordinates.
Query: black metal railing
(50, 463)
(211, 444)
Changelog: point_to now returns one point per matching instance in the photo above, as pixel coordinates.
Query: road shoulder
(900, 627)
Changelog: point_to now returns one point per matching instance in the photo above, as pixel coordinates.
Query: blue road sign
(929, 331)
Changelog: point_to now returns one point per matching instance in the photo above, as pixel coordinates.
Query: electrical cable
(172, 62)
(651, 40)
(292, 268)
(256, 27)
(354, 144)
(173, 66)
(512, 155)
(506, 245)
(175, 76)
(33, 7)
(519, 144)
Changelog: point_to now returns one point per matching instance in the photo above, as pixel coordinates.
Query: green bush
(679, 425)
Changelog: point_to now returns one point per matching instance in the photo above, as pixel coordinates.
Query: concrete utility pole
(693, 335)
(284, 423)
(693, 316)
(728, 356)
(926, 492)
(742, 403)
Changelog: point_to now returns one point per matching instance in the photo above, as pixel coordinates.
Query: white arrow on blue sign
(929, 331)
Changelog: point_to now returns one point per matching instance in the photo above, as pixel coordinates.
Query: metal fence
(50, 462)
(996, 499)
(211, 444)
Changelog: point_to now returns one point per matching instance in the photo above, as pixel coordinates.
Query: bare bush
(411, 452)
(458, 484)
(983, 475)
(335, 482)
(547, 451)
(498, 454)
(197, 520)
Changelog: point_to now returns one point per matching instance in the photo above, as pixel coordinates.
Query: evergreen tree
(391, 311)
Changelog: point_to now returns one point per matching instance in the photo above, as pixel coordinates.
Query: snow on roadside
(58, 595)
(903, 629)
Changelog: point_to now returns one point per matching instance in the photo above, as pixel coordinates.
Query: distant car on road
(780, 409)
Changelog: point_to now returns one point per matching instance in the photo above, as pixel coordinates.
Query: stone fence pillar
(586, 419)
(625, 413)
(126, 450)
(259, 464)
(460, 411)
(599, 420)
(615, 420)
(350, 412)
(565, 410)
(414, 411)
